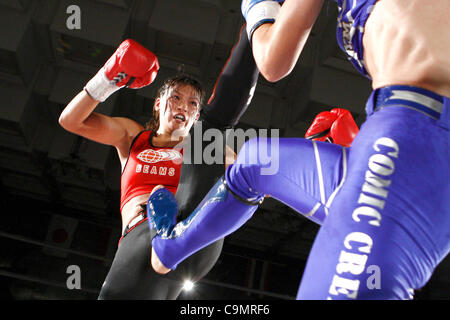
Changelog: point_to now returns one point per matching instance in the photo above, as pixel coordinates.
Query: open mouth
(180, 117)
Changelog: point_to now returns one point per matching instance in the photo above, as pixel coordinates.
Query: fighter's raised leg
(301, 173)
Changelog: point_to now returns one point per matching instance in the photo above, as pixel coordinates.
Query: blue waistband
(419, 99)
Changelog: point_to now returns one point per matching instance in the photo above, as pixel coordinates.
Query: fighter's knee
(107, 292)
(250, 151)
(251, 145)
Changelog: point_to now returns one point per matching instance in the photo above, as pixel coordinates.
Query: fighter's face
(178, 109)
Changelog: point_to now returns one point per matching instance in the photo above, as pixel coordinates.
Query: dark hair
(180, 79)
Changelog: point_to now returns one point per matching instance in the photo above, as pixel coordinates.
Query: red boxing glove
(336, 126)
(132, 66)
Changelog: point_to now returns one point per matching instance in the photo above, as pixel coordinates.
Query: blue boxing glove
(162, 211)
(258, 12)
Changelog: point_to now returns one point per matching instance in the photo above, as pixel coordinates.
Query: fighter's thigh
(131, 275)
(298, 172)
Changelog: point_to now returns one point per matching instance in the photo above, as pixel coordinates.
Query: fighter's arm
(277, 46)
(78, 117)
(131, 66)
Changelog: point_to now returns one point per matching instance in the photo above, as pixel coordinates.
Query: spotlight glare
(188, 285)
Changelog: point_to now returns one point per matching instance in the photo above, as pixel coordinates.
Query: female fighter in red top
(151, 156)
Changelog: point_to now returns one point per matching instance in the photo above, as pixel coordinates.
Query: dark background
(59, 197)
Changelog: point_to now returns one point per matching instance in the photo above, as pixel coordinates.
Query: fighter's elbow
(274, 71)
(272, 74)
(63, 121)
(67, 123)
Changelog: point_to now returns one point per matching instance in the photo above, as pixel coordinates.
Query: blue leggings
(305, 175)
(385, 200)
(390, 222)
(252, 177)
(383, 204)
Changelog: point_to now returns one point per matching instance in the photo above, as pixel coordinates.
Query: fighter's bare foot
(157, 264)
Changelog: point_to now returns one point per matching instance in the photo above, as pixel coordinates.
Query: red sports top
(148, 166)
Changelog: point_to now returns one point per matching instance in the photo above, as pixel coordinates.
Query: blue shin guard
(162, 210)
(220, 213)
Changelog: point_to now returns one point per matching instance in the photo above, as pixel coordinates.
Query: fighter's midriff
(407, 42)
(132, 208)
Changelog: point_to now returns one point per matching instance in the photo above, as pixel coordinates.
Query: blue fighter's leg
(301, 173)
(305, 175)
(388, 227)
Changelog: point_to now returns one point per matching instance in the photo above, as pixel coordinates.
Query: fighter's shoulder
(132, 129)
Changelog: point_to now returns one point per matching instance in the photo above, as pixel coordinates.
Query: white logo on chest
(154, 156)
